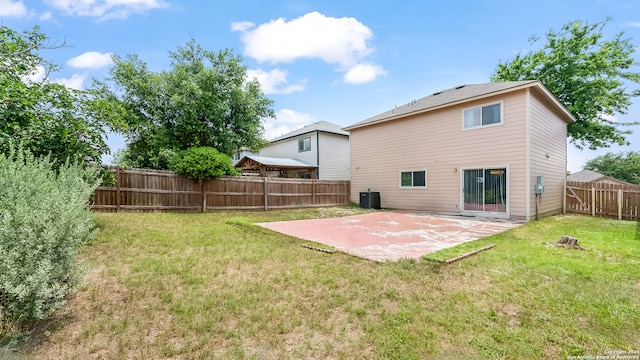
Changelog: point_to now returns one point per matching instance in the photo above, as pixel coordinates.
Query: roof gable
(275, 162)
(585, 176)
(458, 95)
(321, 126)
(592, 176)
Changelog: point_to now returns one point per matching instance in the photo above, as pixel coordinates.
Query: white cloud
(286, 121)
(47, 15)
(241, 26)
(341, 41)
(364, 73)
(274, 81)
(633, 24)
(36, 76)
(76, 81)
(106, 9)
(15, 9)
(90, 60)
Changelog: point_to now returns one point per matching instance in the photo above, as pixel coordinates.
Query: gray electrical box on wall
(539, 185)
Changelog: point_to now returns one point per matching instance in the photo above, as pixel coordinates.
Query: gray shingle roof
(585, 176)
(451, 96)
(323, 126)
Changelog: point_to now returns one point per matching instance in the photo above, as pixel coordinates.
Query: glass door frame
(505, 214)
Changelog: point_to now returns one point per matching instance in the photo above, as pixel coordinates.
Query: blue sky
(338, 61)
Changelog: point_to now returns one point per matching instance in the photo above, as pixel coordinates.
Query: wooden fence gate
(614, 201)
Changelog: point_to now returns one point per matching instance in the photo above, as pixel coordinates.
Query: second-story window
(304, 144)
(482, 116)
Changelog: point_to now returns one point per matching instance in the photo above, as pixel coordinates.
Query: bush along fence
(614, 201)
(139, 190)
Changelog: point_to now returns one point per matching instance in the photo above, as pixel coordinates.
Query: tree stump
(568, 242)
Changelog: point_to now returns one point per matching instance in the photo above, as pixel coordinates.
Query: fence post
(620, 198)
(266, 194)
(118, 201)
(593, 201)
(564, 198)
(313, 191)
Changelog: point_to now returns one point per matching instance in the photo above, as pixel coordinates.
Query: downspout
(527, 156)
(318, 154)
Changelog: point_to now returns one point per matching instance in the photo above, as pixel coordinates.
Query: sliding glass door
(485, 190)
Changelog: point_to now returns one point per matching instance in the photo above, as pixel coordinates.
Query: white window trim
(426, 181)
(501, 102)
(303, 139)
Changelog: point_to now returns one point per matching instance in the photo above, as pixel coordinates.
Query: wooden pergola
(263, 165)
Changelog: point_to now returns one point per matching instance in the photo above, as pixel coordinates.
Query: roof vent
(436, 93)
(460, 87)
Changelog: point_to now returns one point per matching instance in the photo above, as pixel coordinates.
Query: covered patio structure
(252, 165)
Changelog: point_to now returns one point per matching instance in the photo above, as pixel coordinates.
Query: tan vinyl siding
(436, 142)
(548, 157)
(334, 156)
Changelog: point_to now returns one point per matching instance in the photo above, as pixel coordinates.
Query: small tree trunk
(204, 196)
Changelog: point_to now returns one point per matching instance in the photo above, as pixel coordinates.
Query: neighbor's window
(410, 179)
(304, 144)
(482, 116)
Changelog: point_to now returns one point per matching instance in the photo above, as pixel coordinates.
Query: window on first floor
(412, 179)
(482, 116)
(304, 144)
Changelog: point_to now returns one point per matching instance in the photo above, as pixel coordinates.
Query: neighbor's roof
(458, 95)
(277, 162)
(322, 126)
(585, 176)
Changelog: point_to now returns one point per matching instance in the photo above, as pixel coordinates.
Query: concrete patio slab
(392, 235)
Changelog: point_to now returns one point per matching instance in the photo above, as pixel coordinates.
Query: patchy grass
(190, 286)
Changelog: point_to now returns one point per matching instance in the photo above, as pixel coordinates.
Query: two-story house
(497, 149)
(319, 150)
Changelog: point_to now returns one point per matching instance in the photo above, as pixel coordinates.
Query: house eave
(307, 133)
(537, 84)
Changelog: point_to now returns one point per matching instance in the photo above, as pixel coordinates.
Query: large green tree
(622, 166)
(45, 117)
(205, 99)
(589, 74)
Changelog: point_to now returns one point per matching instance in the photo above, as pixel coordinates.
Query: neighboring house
(472, 150)
(589, 176)
(323, 145)
(240, 154)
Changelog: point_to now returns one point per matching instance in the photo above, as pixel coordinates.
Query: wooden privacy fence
(607, 200)
(139, 190)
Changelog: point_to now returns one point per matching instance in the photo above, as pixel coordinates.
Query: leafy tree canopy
(622, 166)
(204, 100)
(42, 116)
(587, 73)
(202, 163)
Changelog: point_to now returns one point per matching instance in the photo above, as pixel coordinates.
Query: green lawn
(200, 286)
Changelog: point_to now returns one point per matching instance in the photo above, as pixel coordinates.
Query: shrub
(43, 222)
(203, 163)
